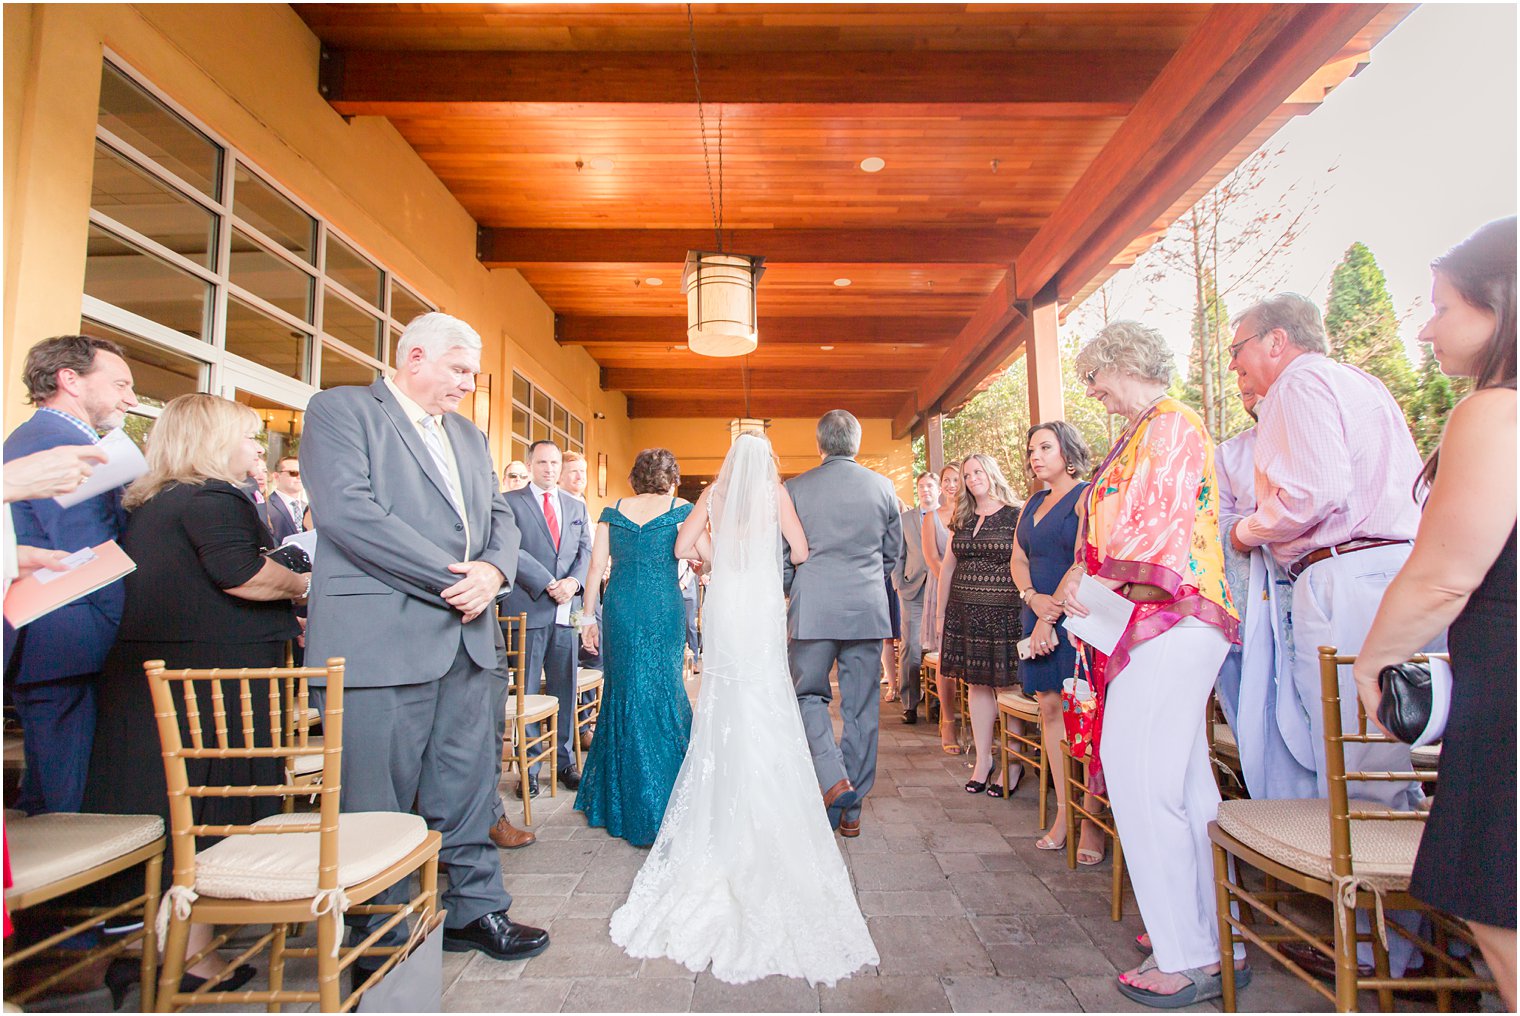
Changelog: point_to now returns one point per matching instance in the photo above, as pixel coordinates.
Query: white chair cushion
(306, 765)
(587, 678)
(1017, 702)
(1426, 758)
(1297, 834)
(533, 705)
(1225, 744)
(284, 866)
(47, 848)
(932, 659)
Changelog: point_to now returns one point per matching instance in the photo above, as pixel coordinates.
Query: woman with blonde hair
(203, 595)
(979, 644)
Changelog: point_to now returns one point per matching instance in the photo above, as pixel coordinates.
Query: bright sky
(1423, 142)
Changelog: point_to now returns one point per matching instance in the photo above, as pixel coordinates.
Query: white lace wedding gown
(746, 874)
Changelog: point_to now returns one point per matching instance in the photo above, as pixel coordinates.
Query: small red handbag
(1079, 707)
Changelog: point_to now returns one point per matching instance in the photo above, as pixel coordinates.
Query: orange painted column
(1044, 353)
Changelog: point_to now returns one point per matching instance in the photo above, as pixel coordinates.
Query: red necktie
(552, 519)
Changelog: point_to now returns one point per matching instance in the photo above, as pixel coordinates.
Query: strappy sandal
(1204, 986)
(1046, 843)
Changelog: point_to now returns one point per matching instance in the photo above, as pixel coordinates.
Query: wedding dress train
(746, 874)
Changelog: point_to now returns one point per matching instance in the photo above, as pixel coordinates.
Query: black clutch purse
(1405, 706)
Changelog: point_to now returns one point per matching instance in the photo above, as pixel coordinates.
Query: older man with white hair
(415, 545)
(1335, 467)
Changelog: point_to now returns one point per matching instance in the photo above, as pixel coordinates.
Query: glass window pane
(519, 422)
(353, 271)
(262, 339)
(135, 199)
(561, 417)
(158, 374)
(338, 369)
(146, 124)
(522, 391)
(540, 430)
(393, 341)
(541, 403)
(577, 430)
(520, 450)
(270, 277)
(347, 323)
(129, 278)
(560, 438)
(576, 446)
(274, 215)
(405, 306)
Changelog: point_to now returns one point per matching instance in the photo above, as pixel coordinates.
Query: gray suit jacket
(854, 540)
(539, 563)
(389, 532)
(912, 571)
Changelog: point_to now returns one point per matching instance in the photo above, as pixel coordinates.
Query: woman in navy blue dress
(1044, 547)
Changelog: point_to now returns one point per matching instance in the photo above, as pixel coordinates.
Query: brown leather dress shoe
(849, 827)
(585, 740)
(508, 837)
(841, 795)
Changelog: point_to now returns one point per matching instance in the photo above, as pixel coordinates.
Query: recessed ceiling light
(601, 164)
(841, 283)
(825, 348)
(873, 164)
(654, 280)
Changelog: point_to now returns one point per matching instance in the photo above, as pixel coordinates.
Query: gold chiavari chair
(523, 750)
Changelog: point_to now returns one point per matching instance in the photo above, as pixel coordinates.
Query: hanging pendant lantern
(746, 425)
(721, 311)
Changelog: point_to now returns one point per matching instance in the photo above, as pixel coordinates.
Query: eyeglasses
(291, 472)
(1235, 349)
(1088, 378)
(517, 476)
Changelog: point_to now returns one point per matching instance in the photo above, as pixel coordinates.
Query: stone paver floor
(967, 914)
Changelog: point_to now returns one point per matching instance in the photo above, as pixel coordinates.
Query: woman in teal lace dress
(645, 723)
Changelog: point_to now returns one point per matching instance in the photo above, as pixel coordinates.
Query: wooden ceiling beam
(1316, 36)
(1239, 64)
(385, 82)
(579, 330)
(509, 248)
(710, 379)
(1219, 51)
(763, 404)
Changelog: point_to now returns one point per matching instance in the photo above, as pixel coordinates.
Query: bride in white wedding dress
(746, 874)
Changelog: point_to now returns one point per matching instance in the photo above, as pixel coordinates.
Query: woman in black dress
(979, 644)
(203, 595)
(1462, 573)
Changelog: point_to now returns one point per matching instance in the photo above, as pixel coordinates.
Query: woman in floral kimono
(1152, 534)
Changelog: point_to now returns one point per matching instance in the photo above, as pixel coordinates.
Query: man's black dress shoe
(910, 716)
(497, 937)
(570, 778)
(532, 784)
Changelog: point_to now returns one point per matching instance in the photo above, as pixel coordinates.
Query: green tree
(1434, 397)
(1364, 329)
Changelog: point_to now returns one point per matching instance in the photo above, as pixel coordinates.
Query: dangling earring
(1071, 470)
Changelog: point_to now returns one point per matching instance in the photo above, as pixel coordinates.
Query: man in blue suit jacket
(556, 553)
(81, 386)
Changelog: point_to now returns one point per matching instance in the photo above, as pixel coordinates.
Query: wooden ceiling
(1030, 150)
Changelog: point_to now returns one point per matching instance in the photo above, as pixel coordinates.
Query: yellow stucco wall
(248, 71)
(700, 445)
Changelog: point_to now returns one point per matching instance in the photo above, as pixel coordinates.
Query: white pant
(1156, 761)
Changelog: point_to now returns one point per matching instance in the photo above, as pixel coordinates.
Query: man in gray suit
(556, 553)
(838, 610)
(911, 579)
(415, 546)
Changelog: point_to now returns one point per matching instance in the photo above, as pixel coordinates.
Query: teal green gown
(645, 722)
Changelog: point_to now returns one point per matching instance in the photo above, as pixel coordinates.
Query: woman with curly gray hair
(1151, 533)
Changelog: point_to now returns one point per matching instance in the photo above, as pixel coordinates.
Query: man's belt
(1349, 547)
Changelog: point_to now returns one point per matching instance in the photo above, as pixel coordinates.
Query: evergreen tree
(1434, 397)
(1363, 328)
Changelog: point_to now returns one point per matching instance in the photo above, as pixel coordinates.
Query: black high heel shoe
(123, 973)
(975, 786)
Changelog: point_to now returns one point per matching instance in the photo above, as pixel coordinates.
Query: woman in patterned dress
(979, 644)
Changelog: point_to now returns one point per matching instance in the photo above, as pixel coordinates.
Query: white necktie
(434, 442)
